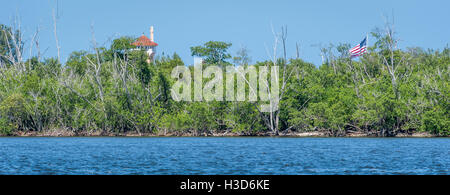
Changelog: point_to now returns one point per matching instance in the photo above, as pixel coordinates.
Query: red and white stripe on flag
(358, 50)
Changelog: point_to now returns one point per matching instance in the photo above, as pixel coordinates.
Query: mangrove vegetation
(115, 91)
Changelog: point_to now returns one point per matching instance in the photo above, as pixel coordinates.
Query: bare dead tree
(35, 41)
(272, 118)
(96, 66)
(122, 71)
(36, 115)
(391, 65)
(328, 56)
(15, 46)
(38, 49)
(354, 77)
(69, 82)
(55, 31)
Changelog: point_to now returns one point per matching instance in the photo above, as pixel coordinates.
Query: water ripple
(212, 156)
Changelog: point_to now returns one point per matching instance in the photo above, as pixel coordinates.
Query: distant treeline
(114, 90)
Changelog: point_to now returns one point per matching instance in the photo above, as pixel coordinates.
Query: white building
(149, 45)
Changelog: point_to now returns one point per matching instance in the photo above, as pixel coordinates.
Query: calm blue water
(224, 156)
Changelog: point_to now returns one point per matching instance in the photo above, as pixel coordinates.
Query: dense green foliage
(386, 92)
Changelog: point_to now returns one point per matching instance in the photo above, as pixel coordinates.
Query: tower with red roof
(149, 45)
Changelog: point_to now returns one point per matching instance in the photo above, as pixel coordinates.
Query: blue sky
(182, 24)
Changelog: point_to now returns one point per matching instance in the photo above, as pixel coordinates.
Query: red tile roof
(144, 41)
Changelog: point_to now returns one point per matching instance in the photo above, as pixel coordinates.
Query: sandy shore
(68, 133)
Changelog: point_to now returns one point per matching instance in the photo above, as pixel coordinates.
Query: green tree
(213, 52)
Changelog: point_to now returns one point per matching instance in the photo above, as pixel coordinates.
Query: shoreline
(65, 133)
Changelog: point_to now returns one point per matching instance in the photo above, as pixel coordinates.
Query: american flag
(360, 49)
